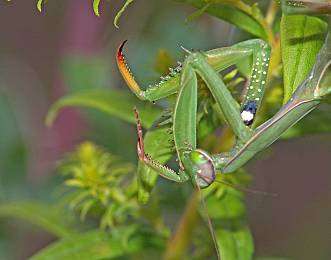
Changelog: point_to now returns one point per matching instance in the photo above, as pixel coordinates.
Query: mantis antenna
(243, 189)
(210, 224)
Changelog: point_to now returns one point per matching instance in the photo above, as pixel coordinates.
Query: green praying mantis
(197, 165)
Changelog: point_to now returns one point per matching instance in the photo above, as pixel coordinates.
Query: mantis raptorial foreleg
(219, 59)
(155, 165)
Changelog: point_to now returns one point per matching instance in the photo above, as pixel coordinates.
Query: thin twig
(178, 244)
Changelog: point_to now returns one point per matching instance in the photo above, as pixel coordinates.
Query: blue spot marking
(250, 107)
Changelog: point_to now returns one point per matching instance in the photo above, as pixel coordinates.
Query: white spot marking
(247, 116)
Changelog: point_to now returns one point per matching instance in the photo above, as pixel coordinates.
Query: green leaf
(91, 245)
(230, 13)
(197, 13)
(99, 245)
(235, 242)
(116, 103)
(271, 258)
(96, 4)
(157, 145)
(121, 11)
(230, 206)
(39, 5)
(229, 215)
(40, 214)
(301, 39)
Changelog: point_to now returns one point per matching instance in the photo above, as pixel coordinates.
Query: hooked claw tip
(121, 46)
(136, 111)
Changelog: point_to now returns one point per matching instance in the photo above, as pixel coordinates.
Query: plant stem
(178, 244)
(271, 13)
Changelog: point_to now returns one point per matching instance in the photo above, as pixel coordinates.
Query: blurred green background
(65, 49)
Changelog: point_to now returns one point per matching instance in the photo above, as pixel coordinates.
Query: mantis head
(201, 168)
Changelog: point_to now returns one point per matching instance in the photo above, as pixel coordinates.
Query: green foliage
(96, 4)
(301, 39)
(246, 17)
(226, 207)
(39, 5)
(121, 11)
(115, 103)
(96, 7)
(50, 218)
(100, 182)
(106, 191)
(97, 244)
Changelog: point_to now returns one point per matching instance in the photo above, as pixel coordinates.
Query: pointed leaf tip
(96, 4)
(121, 11)
(39, 5)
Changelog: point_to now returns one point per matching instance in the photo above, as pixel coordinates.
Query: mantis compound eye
(203, 168)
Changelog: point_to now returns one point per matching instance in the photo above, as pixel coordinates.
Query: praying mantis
(197, 165)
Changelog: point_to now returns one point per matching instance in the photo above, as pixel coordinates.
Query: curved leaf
(232, 232)
(301, 38)
(121, 11)
(39, 5)
(235, 243)
(92, 245)
(231, 14)
(116, 103)
(40, 214)
(99, 245)
(96, 4)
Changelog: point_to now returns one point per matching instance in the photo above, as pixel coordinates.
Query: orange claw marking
(125, 70)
